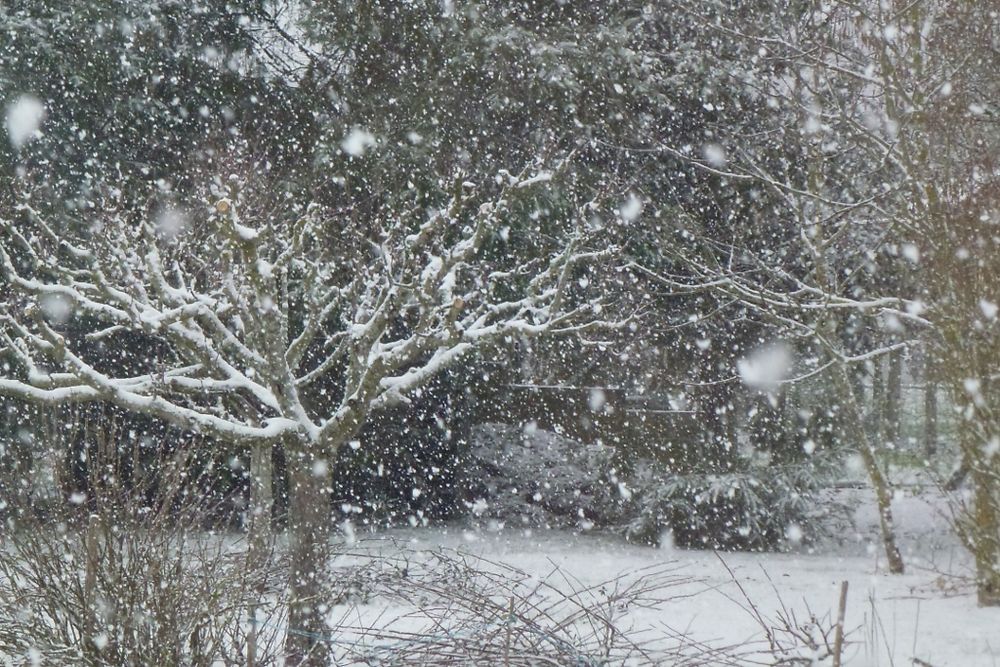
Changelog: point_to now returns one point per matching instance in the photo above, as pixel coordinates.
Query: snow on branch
(259, 329)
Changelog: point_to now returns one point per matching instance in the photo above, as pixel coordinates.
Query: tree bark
(854, 423)
(876, 416)
(259, 537)
(309, 541)
(92, 538)
(984, 534)
(987, 537)
(930, 410)
(893, 398)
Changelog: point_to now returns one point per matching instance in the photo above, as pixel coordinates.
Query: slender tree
(891, 199)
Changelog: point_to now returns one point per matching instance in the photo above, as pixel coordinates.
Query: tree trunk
(984, 533)
(309, 541)
(876, 416)
(893, 398)
(854, 423)
(883, 496)
(259, 535)
(930, 411)
(92, 538)
(987, 534)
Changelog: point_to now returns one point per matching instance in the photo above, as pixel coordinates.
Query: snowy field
(925, 617)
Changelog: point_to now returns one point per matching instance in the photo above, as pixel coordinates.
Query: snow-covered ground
(928, 616)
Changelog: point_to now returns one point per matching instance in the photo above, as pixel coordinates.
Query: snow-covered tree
(139, 91)
(879, 116)
(263, 327)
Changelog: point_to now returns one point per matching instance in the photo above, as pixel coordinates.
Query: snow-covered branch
(250, 332)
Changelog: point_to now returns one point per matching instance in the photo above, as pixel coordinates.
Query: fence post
(838, 637)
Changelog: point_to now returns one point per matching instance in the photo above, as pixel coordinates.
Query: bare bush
(129, 575)
(791, 638)
(451, 608)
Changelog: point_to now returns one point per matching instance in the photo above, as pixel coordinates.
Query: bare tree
(276, 329)
(889, 194)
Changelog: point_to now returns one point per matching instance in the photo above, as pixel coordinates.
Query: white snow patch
(972, 386)
(246, 233)
(927, 614)
(264, 269)
(349, 535)
(989, 309)
(542, 177)
(766, 367)
(992, 448)
(434, 266)
(892, 322)
(171, 222)
(915, 307)
(631, 208)
(57, 308)
(598, 399)
(24, 117)
(479, 506)
(357, 142)
(715, 155)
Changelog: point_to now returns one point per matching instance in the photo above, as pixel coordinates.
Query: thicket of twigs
(452, 608)
(127, 574)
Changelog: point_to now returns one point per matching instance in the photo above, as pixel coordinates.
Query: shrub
(128, 575)
(451, 608)
(531, 477)
(759, 507)
(535, 478)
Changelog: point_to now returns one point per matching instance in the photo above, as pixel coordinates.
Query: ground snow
(929, 614)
